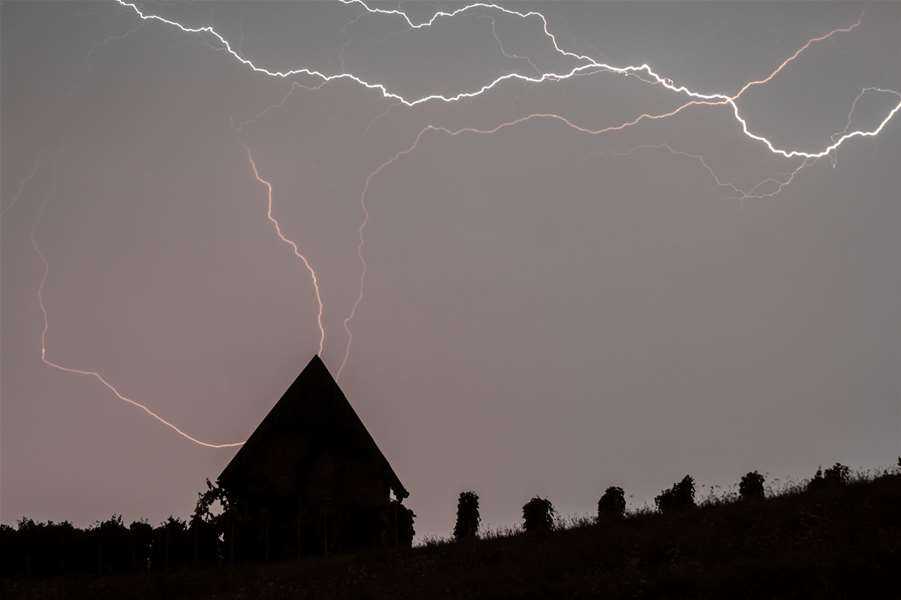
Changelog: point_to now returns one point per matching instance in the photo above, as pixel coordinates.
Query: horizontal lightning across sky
(837, 139)
(588, 63)
(584, 66)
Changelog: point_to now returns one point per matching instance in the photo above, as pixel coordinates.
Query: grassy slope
(844, 543)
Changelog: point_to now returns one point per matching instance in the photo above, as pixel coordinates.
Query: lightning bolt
(857, 99)
(95, 374)
(586, 66)
(808, 156)
(294, 247)
(589, 63)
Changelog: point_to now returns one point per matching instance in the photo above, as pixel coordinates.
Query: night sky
(545, 311)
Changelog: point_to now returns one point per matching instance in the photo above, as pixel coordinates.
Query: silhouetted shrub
(538, 515)
(211, 526)
(834, 477)
(111, 542)
(46, 548)
(170, 545)
(468, 518)
(677, 498)
(612, 504)
(140, 544)
(751, 486)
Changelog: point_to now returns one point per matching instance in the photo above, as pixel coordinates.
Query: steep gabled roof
(314, 411)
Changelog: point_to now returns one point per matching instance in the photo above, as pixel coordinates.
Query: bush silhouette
(834, 477)
(468, 518)
(677, 498)
(140, 543)
(538, 515)
(612, 504)
(170, 545)
(751, 486)
(111, 539)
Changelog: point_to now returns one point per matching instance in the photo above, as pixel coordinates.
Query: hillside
(834, 543)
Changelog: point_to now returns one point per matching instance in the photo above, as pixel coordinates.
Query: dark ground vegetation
(839, 536)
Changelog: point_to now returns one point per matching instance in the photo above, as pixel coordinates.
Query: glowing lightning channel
(699, 98)
(96, 375)
(294, 247)
(730, 100)
(589, 63)
(857, 99)
(752, 192)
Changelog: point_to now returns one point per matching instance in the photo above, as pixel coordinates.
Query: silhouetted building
(312, 480)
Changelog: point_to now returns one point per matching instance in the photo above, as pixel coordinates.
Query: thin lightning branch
(361, 243)
(294, 247)
(22, 184)
(834, 157)
(280, 104)
(96, 375)
(741, 194)
(857, 99)
(780, 185)
(453, 133)
(500, 46)
(697, 157)
(379, 116)
(347, 41)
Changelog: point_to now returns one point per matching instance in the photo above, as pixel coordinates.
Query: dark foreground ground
(841, 543)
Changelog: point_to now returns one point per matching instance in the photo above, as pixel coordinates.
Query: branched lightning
(588, 63)
(95, 374)
(857, 99)
(808, 156)
(583, 66)
(294, 247)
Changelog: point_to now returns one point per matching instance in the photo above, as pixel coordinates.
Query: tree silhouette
(835, 476)
(170, 545)
(538, 515)
(111, 539)
(140, 535)
(751, 486)
(612, 504)
(468, 518)
(677, 498)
